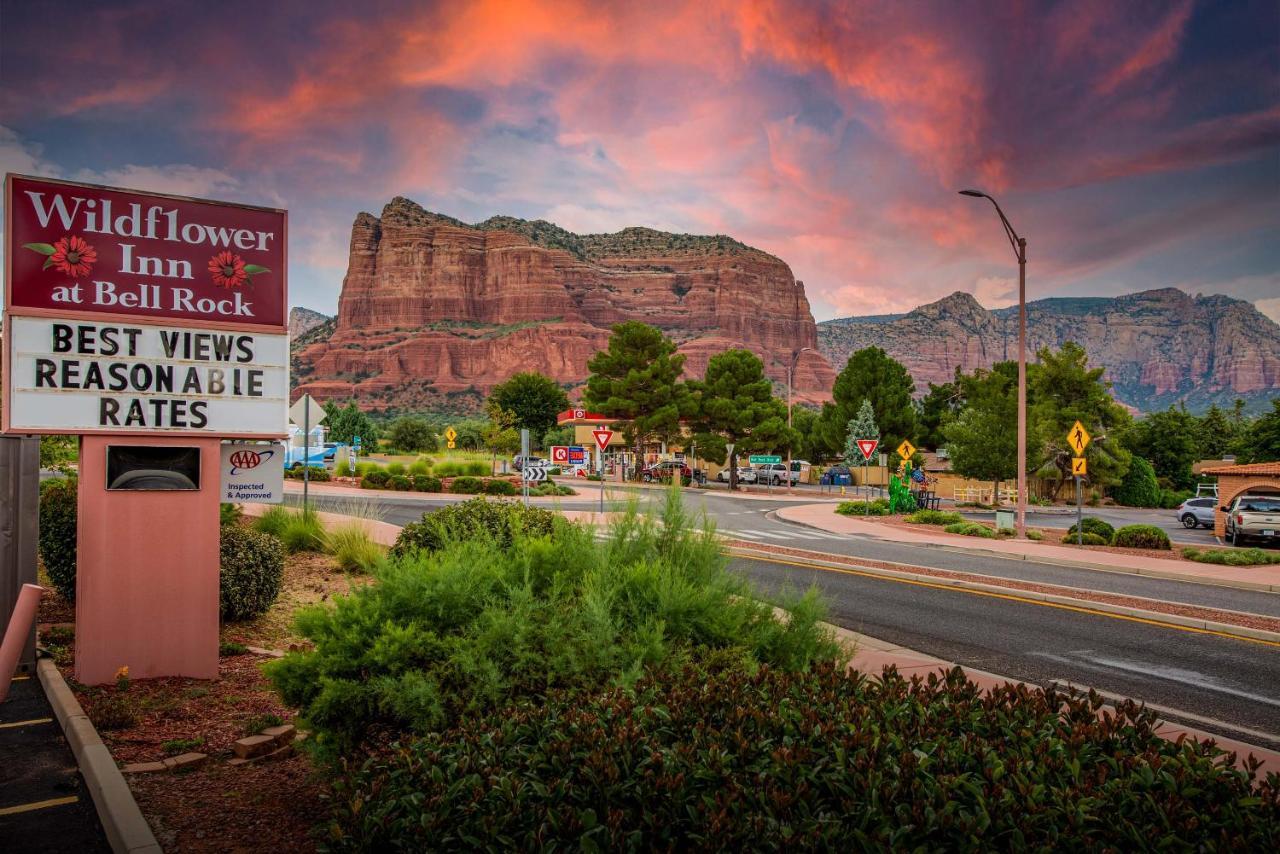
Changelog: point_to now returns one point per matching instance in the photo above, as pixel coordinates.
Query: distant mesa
(435, 312)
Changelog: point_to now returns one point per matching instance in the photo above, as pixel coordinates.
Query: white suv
(776, 473)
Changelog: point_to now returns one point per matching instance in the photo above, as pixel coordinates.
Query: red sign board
(84, 249)
(559, 453)
(602, 438)
(868, 447)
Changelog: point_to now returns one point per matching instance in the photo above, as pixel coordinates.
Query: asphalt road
(1199, 679)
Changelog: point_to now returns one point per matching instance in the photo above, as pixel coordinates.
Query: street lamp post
(790, 369)
(1019, 245)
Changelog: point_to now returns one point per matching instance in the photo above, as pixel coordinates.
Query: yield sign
(602, 437)
(867, 446)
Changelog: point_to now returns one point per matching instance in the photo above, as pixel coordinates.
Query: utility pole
(790, 370)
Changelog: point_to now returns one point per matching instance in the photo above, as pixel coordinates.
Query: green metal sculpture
(900, 498)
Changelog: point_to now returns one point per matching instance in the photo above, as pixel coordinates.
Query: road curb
(1230, 629)
(126, 829)
(1077, 564)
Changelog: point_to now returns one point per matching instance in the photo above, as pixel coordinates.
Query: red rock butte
(432, 307)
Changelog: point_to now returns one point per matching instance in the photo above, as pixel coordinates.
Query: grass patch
(1232, 557)
(935, 517)
(274, 520)
(231, 648)
(353, 548)
(258, 723)
(878, 507)
(1033, 534)
(174, 746)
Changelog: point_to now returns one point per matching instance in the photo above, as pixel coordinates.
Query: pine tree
(862, 426)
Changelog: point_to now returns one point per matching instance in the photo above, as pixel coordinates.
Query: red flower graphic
(228, 270)
(71, 255)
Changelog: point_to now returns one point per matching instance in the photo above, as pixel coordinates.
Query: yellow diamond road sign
(906, 449)
(1078, 438)
(451, 435)
(1079, 467)
(453, 444)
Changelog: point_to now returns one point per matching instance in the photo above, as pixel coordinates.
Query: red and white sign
(867, 446)
(579, 413)
(602, 437)
(76, 249)
(559, 453)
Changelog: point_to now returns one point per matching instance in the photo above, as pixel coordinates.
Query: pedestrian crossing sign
(1078, 438)
(451, 434)
(906, 449)
(1079, 468)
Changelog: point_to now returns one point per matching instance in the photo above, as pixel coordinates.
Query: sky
(1133, 144)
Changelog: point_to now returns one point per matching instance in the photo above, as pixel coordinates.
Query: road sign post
(867, 447)
(451, 436)
(524, 463)
(306, 410)
(602, 437)
(1078, 438)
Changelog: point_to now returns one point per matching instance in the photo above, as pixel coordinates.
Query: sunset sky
(1135, 144)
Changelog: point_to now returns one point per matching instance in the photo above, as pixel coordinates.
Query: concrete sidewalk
(824, 518)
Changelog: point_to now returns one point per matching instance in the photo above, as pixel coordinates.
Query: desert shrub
(302, 531)
(1094, 525)
(229, 514)
(878, 507)
(419, 467)
(466, 486)
(353, 548)
(702, 758)
(427, 483)
(935, 517)
(367, 467)
(970, 529)
(1085, 539)
(1139, 487)
(500, 521)
(57, 537)
(547, 488)
(231, 648)
(396, 469)
(1141, 537)
(113, 710)
(468, 628)
(500, 487)
(376, 479)
(252, 565)
(1233, 557)
(273, 520)
(476, 468)
(1034, 535)
(400, 483)
(448, 468)
(316, 474)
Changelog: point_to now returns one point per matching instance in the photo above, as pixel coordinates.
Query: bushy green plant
(57, 537)
(374, 479)
(367, 467)
(877, 507)
(500, 487)
(427, 483)
(252, 565)
(466, 629)
(1139, 487)
(935, 517)
(547, 488)
(302, 532)
(722, 758)
(353, 548)
(315, 474)
(970, 529)
(419, 467)
(1232, 557)
(230, 648)
(500, 521)
(448, 468)
(1171, 499)
(1085, 539)
(466, 486)
(476, 468)
(273, 520)
(400, 483)
(1094, 525)
(1141, 537)
(229, 514)
(1033, 534)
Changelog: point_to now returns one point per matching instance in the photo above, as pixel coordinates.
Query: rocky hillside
(434, 310)
(303, 320)
(1159, 347)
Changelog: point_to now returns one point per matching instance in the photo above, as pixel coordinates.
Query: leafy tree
(470, 433)
(501, 436)
(941, 405)
(534, 400)
(558, 436)
(637, 380)
(58, 452)
(412, 434)
(871, 374)
(1061, 390)
(347, 422)
(1168, 440)
(807, 424)
(1138, 488)
(1215, 434)
(862, 426)
(1262, 440)
(983, 440)
(735, 402)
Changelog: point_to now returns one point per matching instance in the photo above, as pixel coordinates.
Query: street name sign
(867, 447)
(906, 449)
(1078, 438)
(764, 459)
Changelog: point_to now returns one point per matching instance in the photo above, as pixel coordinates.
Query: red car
(666, 470)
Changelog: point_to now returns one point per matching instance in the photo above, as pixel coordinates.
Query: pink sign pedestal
(147, 570)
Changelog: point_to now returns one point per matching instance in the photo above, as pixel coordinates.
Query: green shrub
(302, 532)
(970, 529)
(375, 479)
(448, 468)
(500, 521)
(500, 487)
(353, 548)
(427, 483)
(174, 746)
(1141, 537)
(1034, 535)
(419, 467)
(1138, 488)
(1171, 499)
(476, 468)
(316, 474)
(400, 483)
(113, 710)
(1233, 557)
(396, 469)
(229, 514)
(57, 537)
(546, 488)
(935, 517)
(466, 629)
(367, 467)
(1085, 539)
(1094, 525)
(466, 486)
(258, 723)
(877, 507)
(819, 760)
(274, 520)
(252, 565)
(232, 648)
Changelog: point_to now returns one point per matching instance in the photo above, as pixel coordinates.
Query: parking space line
(39, 805)
(31, 722)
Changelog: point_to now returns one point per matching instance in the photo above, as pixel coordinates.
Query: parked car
(1196, 511)
(666, 470)
(1253, 517)
(746, 474)
(519, 461)
(776, 473)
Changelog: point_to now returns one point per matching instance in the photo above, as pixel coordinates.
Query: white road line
(741, 534)
(768, 534)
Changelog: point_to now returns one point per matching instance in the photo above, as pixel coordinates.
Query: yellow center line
(31, 722)
(1014, 598)
(39, 805)
(21, 678)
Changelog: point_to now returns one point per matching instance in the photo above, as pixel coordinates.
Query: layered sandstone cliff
(431, 305)
(1158, 347)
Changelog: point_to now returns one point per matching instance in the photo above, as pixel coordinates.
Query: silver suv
(1196, 511)
(775, 473)
(1253, 517)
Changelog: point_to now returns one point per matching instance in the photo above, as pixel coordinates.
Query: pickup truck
(1253, 517)
(776, 473)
